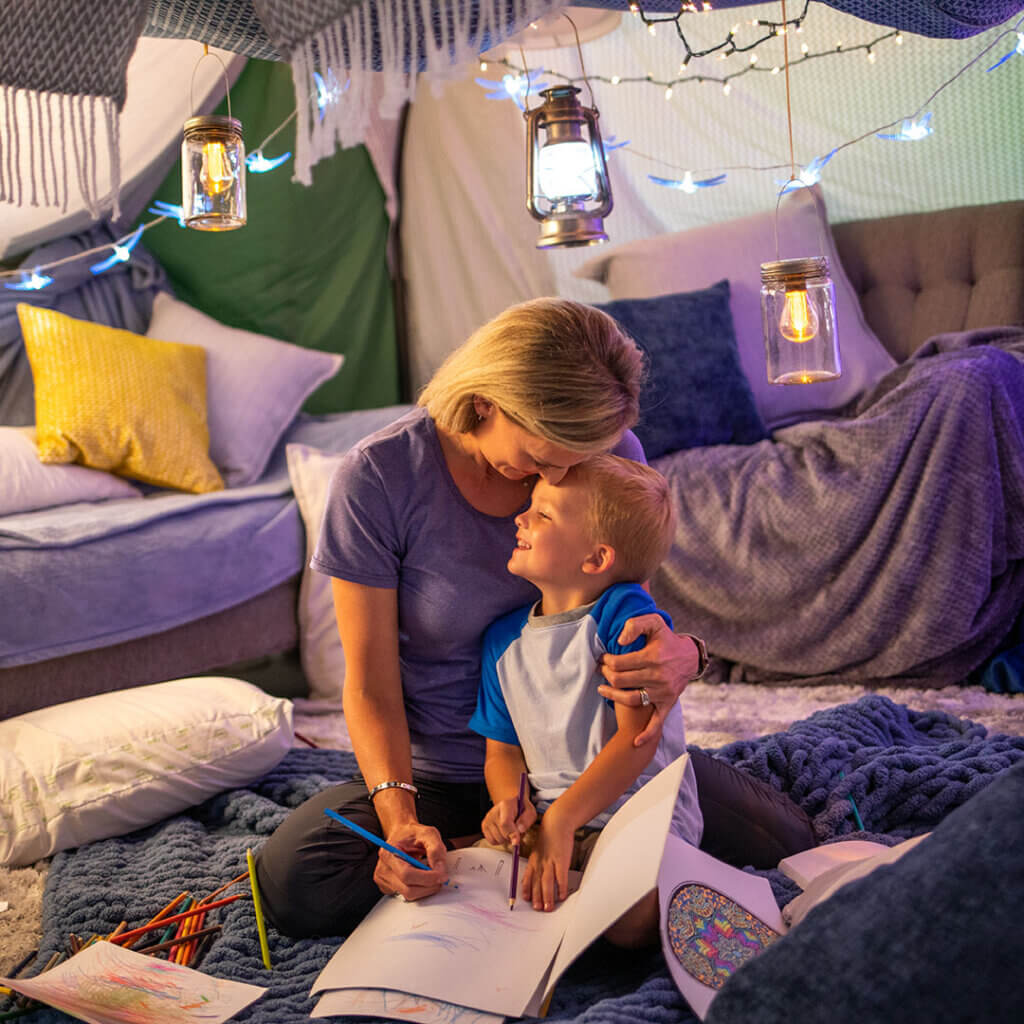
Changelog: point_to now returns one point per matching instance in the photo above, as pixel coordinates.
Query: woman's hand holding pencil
(411, 863)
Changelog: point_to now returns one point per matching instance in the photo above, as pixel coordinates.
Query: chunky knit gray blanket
(905, 769)
(884, 544)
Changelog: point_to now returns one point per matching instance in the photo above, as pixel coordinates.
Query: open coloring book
(465, 952)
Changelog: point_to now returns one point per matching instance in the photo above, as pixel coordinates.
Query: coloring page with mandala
(714, 918)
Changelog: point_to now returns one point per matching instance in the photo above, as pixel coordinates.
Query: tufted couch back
(920, 274)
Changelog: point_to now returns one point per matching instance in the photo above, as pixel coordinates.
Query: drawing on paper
(711, 935)
(111, 985)
(376, 1002)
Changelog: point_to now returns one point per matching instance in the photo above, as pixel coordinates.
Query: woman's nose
(520, 520)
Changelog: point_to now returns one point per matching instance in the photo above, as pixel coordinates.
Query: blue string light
(912, 129)
(687, 183)
(259, 164)
(328, 91)
(809, 175)
(513, 87)
(30, 282)
(1019, 49)
(162, 209)
(122, 252)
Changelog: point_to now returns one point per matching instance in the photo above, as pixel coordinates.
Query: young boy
(583, 543)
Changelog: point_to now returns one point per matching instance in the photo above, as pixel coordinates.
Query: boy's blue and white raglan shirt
(539, 692)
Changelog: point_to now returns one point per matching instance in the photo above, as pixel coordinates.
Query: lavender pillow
(255, 385)
(696, 392)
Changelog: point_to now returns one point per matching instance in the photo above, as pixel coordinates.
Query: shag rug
(905, 768)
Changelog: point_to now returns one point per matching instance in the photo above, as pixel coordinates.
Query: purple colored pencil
(514, 880)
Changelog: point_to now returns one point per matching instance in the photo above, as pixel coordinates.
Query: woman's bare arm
(375, 714)
(663, 667)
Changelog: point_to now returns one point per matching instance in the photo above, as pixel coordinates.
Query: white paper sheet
(378, 1002)
(683, 864)
(106, 984)
(805, 866)
(623, 867)
(465, 947)
(462, 946)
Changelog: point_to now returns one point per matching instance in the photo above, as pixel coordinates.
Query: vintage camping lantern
(798, 315)
(567, 187)
(213, 173)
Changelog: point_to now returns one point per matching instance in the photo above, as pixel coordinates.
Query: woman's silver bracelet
(408, 786)
(702, 655)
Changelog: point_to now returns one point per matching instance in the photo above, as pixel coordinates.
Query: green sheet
(309, 266)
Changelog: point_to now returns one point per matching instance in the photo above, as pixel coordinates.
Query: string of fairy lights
(521, 82)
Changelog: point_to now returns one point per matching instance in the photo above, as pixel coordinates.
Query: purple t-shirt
(396, 519)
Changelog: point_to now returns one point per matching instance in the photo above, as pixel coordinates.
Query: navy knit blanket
(905, 770)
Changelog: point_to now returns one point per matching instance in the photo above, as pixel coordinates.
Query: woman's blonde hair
(630, 508)
(562, 370)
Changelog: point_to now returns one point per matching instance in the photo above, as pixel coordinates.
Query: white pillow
(29, 484)
(106, 765)
(735, 249)
(255, 385)
(323, 660)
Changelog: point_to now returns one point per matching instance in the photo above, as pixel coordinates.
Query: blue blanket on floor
(905, 770)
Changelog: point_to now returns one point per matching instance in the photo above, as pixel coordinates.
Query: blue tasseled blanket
(905, 770)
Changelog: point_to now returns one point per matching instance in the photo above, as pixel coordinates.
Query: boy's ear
(600, 560)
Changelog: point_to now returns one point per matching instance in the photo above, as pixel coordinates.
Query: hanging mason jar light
(567, 186)
(798, 299)
(213, 168)
(798, 316)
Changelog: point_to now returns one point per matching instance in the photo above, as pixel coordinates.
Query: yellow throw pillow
(118, 401)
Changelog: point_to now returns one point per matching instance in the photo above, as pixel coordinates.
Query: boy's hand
(546, 880)
(501, 826)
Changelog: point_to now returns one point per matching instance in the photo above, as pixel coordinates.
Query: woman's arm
(375, 714)
(663, 667)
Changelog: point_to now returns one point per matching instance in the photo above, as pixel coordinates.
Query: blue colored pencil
(514, 880)
(376, 840)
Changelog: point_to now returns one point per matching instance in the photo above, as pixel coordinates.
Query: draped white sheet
(468, 242)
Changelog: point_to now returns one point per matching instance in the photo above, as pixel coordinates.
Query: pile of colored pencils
(178, 932)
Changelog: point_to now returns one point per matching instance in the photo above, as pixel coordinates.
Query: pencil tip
(511, 904)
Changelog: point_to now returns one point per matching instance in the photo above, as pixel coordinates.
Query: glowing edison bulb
(217, 174)
(799, 321)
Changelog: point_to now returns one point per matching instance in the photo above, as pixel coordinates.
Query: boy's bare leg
(638, 926)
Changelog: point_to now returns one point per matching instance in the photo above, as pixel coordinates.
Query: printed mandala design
(711, 935)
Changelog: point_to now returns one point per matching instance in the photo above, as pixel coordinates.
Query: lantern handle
(191, 85)
(579, 50)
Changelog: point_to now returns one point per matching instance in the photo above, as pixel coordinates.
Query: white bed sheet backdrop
(469, 244)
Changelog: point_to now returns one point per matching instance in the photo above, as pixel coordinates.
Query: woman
(417, 532)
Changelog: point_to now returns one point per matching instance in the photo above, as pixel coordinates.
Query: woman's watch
(702, 655)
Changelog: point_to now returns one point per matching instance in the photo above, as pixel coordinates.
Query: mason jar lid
(804, 270)
(215, 121)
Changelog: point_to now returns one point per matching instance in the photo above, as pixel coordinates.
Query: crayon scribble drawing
(378, 1002)
(106, 984)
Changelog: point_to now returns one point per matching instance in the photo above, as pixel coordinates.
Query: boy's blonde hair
(561, 370)
(629, 507)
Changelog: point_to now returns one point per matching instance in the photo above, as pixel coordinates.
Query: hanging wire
(191, 85)
(526, 72)
(579, 50)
